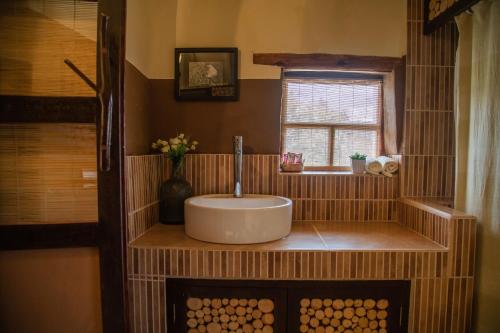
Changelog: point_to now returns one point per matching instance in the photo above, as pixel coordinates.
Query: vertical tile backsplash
(428, 158)
(315, 196)
(144, 175)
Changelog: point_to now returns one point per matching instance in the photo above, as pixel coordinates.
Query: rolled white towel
(373, 166)
(389, 165)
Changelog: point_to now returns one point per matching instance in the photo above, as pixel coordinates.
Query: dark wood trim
(302, 74)
(343, 62)
(111, 184)
(44, 236)
(456, 9)
(109, 234)
(33, 109)
(361, 127)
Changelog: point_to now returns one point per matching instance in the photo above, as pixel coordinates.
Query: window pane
(333, 101)
(313, 143)
(348, 142)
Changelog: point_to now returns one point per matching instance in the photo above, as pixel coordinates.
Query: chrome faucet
(238, 165)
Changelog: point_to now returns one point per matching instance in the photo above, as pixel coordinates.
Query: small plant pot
(358, 166)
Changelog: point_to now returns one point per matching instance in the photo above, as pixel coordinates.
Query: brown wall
(255, 116)
(155, 28)
(362, 27)
(53, 290)
(137, 111)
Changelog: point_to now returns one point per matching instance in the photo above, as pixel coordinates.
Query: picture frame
(206, 74)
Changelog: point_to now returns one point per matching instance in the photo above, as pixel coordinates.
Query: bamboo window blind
(36, 36)
(327, 119)
(49, 173)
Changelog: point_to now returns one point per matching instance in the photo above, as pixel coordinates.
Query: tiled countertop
(305, 236)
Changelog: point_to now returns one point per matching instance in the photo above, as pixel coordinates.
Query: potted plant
(358, 162)
(175, 190)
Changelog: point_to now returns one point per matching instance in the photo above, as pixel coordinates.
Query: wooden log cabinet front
(256, 306)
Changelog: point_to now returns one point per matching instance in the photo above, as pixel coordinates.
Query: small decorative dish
(292, 162)
(292, 167)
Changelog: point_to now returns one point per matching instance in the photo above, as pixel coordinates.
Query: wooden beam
(454, 10)
(333, 75)
(33, 109)
(327, 61)
(44, 236)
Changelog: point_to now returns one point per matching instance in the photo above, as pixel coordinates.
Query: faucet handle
(237, 139)
(237, 143)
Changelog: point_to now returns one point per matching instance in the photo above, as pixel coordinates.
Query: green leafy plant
(358, 156)
(175, 148)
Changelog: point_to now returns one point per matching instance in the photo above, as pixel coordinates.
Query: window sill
(330, 173)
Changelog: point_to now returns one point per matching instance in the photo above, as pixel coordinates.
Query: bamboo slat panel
(442, 281)
(144, 175)
(48, 173)
(35, 43)
(336, 197)
(429, 153)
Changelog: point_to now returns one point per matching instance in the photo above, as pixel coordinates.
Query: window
(327, 116)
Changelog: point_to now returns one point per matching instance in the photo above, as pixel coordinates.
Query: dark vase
(173, 192)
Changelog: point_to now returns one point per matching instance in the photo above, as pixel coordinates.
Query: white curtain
(477, 103)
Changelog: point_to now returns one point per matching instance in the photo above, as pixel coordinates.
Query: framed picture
(206, 74)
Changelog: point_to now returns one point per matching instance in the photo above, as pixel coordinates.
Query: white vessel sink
(222, 218)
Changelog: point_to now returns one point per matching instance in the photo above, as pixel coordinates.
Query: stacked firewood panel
(230, 315)
(343, 315)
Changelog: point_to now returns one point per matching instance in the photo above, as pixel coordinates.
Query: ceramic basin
(228, 220)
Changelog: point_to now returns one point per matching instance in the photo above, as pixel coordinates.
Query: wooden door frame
(108, 234)
(111, 192)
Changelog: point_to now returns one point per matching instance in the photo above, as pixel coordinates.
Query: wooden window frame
(392, 68)
(332, 127)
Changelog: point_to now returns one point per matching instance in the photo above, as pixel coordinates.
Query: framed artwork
(204, 74)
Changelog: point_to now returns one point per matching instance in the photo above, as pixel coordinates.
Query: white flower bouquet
(175, 190)
(175, 148)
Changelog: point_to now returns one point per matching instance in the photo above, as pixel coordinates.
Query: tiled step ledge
(435, 208)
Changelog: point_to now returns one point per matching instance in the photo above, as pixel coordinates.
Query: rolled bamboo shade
(48, 173)
(36, 36)
(328, 119)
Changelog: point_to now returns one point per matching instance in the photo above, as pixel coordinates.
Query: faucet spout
(238, 165)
